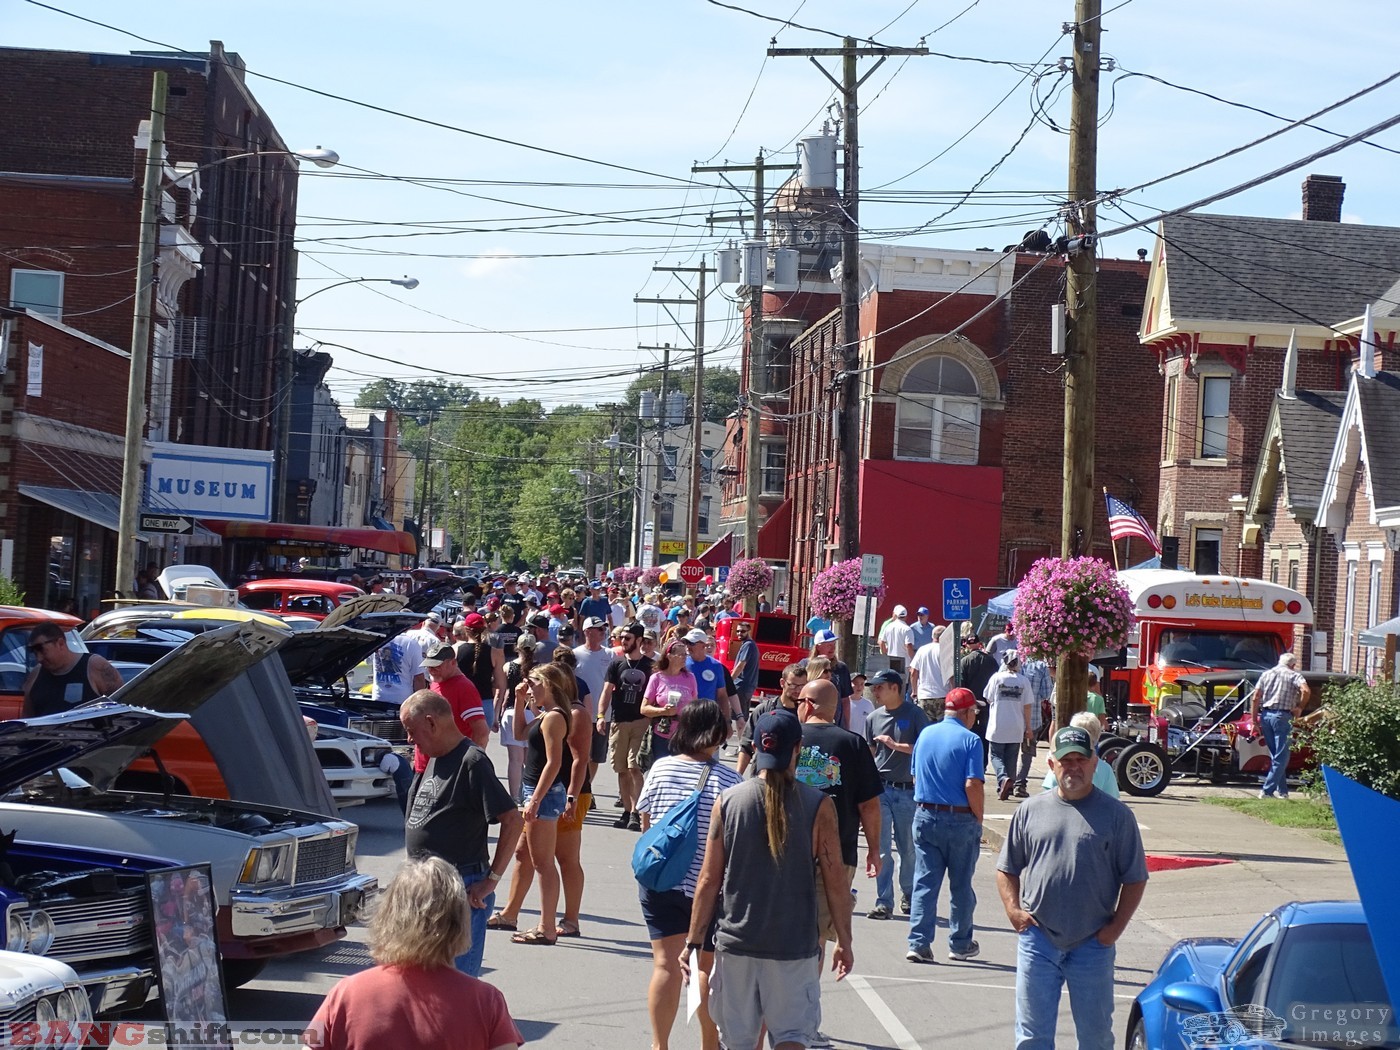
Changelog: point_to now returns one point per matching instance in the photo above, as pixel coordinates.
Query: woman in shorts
(701, 730)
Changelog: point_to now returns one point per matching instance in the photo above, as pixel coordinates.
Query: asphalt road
(591, 992)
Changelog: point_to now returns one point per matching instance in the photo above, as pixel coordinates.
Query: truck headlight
(73, 1006)
(265, 864)
(16, 932)
(41, 932)
(44, 1012)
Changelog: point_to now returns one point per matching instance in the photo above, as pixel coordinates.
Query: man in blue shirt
(595, 604)
(745, 667)
(921, 629)
(708, 672)
(949, 800)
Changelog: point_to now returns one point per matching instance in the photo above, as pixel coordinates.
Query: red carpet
(1171, 862)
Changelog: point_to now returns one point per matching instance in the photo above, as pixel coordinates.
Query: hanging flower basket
(650, 578)
(626, 575)
(1073, 606)
(749, 577)
(835, 589)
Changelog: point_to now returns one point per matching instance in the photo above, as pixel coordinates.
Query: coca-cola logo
(778, 657)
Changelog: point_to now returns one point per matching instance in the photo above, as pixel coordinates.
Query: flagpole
(1112, 543)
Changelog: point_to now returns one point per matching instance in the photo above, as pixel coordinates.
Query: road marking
(968, 984)
(883, 1013)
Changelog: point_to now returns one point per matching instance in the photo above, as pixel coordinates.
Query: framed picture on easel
(188, 970)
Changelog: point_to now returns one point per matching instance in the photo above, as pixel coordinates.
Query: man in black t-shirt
(975, 670)
(621, 703)
(450, 806)
(838, 762)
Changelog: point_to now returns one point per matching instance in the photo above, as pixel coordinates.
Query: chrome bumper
(358, 785)
(289, 910)
(117, 990)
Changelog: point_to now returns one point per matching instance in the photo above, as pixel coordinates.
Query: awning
(390, 542)
(721, 552)
(381, 524)
(775, 534)
(102, 509)
(1374, 637)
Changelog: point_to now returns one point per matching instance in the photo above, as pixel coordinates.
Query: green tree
(547, 522)
(420, 397)
(1358, 734)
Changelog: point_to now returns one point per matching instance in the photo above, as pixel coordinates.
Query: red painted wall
(931, 521)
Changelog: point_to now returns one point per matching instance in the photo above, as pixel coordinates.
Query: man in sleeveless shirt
(64, 679)
(762, 892)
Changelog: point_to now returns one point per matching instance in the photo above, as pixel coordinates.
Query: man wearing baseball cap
(921, 629)
(1071, 874)
(764, 835)
(891, 730)
(895, 637)
(949, 800)
(448, 681)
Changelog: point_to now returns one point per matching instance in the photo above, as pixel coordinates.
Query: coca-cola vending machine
(775, 634)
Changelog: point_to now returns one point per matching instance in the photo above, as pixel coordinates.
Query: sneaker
(904, 905)
(621, 822)
(880, 911)
(921, 954)
(635, 823)
(1021, 791)
(970, 952)
(820, 1040)
(1265, 794)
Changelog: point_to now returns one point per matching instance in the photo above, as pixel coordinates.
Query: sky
(529, 163)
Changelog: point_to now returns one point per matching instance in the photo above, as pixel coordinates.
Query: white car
(37, 993)
(356, 765)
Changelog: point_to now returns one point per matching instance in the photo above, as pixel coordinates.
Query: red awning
(721, 552)
(775, 534)
(367, 539)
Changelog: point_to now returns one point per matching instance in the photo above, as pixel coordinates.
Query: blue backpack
(663, 854)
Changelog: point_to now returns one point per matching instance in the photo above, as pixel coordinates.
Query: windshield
(1327, 986)
(1207, 649)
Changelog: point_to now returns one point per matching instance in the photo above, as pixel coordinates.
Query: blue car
(1305, 976)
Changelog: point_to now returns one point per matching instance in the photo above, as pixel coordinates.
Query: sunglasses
(34, 647)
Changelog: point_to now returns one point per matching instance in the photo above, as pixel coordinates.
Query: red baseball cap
(959, 699)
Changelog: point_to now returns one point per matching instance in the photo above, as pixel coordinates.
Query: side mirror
(1191, 998)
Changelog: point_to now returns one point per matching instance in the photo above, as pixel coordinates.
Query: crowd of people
(568, 680)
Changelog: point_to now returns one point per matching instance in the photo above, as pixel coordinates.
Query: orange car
(313, 599)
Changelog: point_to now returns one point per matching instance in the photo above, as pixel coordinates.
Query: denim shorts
(667, 914)
(552, 804)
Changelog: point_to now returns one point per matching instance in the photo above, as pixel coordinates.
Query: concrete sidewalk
(1268, 865)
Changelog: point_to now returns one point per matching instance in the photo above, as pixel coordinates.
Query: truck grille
(319, 859)
(97, 928)
(390, 729)
(24, 1015)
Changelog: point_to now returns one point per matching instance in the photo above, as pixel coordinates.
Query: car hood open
(177, 684)
(360, 604)
(34, 746)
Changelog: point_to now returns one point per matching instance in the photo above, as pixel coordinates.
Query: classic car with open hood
(284, 877)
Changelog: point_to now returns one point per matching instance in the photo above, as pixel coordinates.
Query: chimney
(1322, 198)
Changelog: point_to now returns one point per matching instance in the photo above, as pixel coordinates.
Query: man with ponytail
(758, 884)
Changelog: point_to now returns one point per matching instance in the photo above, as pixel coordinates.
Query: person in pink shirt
(414, 998)
(669, 689)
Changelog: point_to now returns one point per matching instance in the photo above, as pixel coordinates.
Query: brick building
(70, 166)
(962, 410)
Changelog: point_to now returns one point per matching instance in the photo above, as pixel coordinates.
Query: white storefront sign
(210, 482)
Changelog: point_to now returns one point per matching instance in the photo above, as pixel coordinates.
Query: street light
(409, 283)
(151, 190)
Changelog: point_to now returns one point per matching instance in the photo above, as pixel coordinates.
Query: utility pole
(1081, 301)
(848, 424)
(130, 507)
(757, 363)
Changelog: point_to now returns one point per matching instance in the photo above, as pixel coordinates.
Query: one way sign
(166, 523)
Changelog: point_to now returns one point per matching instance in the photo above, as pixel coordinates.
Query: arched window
(939, 412)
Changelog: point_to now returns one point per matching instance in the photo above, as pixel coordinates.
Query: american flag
(1124, 522)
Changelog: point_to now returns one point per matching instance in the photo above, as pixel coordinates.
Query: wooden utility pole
(757, 363)
(148, 239)
(848, 425)
(665, 349)
(1081, 309)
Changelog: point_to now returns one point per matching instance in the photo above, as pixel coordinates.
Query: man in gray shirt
(1071, 875)
(891, 730)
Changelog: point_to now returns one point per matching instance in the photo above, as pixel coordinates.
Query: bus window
(1205, 649)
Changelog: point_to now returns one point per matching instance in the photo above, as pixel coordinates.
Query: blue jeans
(1004, 758)
(896, 833)
(1276, 727)
(943, 843)
(470, 961)
(403, 780)
(1042, 970)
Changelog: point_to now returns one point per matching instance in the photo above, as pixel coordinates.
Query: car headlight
(265, 864)
(16, 932)
(41, 932)
(372, 756)
(44, 1012)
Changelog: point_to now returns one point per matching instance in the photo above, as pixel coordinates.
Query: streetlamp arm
(408, 283)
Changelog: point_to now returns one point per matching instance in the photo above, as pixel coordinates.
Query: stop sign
(692, 571)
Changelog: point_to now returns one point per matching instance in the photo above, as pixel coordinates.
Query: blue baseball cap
(775, 737)
(923, 610)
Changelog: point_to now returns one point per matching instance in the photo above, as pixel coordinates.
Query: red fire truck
(775, 634)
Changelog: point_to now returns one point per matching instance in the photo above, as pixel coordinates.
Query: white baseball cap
(900, 612)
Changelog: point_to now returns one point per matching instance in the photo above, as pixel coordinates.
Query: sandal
(500, 922)
(535, 936)
(569, 929)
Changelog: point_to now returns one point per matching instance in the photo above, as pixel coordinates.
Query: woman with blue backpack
(675, 805)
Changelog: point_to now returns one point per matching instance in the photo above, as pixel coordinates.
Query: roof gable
(1367, 435)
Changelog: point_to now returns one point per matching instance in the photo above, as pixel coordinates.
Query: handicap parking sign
(957, 599)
